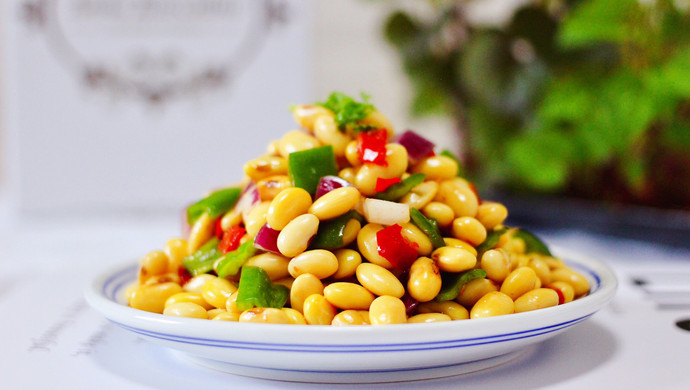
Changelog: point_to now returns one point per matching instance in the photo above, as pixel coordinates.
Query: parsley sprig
(348, 111)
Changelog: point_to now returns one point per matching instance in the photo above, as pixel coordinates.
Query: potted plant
(583, 99)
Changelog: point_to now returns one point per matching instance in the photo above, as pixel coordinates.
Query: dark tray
(667, 227)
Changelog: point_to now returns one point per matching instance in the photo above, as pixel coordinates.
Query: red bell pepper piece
(371, 146)
(393, 247)
(476, 193)
(561, 297)
(218, 229)
(383, 184)
(231, 239)
(184, 275)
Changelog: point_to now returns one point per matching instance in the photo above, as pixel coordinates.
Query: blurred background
(575, 113)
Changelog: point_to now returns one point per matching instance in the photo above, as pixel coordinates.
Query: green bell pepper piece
(452, 283)
(257, 290)
(215, 204)
(231, 263)
(306, 167)
(532, 243)
(201, 261)
(331, 232)
(427, 227)
(491, 240)
(398, 190)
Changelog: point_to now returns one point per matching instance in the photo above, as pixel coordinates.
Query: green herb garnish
(348, 111)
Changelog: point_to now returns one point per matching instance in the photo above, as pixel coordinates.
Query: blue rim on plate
(334, 354)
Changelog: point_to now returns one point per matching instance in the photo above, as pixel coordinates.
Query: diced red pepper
(231, 239)
(184, 275)
(218, 229)
(561, 297)
(393, 247)
(371, 146)
(476, 193)
(383, 184)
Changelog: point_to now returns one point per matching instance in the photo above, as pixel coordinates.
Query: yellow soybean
(345, 296)
(379, 280)
(286, 206)
(536, 299)
(387, 310)
(185, 309)
(318, 262)
(493, 304)
(424, 282)
(335, 203)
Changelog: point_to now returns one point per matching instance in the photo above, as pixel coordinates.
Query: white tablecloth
(52, 339)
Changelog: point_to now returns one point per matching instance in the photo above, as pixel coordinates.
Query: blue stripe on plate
(117, 282)
(355, 348)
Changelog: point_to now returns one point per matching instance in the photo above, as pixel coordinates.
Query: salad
(345, 222)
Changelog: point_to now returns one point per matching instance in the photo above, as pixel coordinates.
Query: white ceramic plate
(356, 354)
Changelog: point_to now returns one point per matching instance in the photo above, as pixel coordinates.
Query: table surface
(52, 339)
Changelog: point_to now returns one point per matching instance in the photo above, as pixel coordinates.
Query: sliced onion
(417, 146)
(328, 184)
(267, 239)
(385, 212)
(249, 198)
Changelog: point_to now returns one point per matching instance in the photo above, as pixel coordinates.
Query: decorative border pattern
(40, 15)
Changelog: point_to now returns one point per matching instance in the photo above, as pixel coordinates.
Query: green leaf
(429, 100)
(347, 110)
(540, 160)
(484, 67)
(534, 24)
(633, 169)
(674, 75)
(675, 133)
(595, 21)
(399, 29)
(565, 99)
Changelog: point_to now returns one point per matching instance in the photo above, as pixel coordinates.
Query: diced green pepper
(449, 154)
(331, 232)
(427, 227)
(215, 204)
(398, 190)
(532, 243)
(231, 263)
(491, 240)
(201, 261)
(257, 290)
(307, 167)
(452, 283)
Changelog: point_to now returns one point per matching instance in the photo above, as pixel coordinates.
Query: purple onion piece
(248, 199)
(267, 239)
(417, 146)
(328, 184)
(409, 302)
